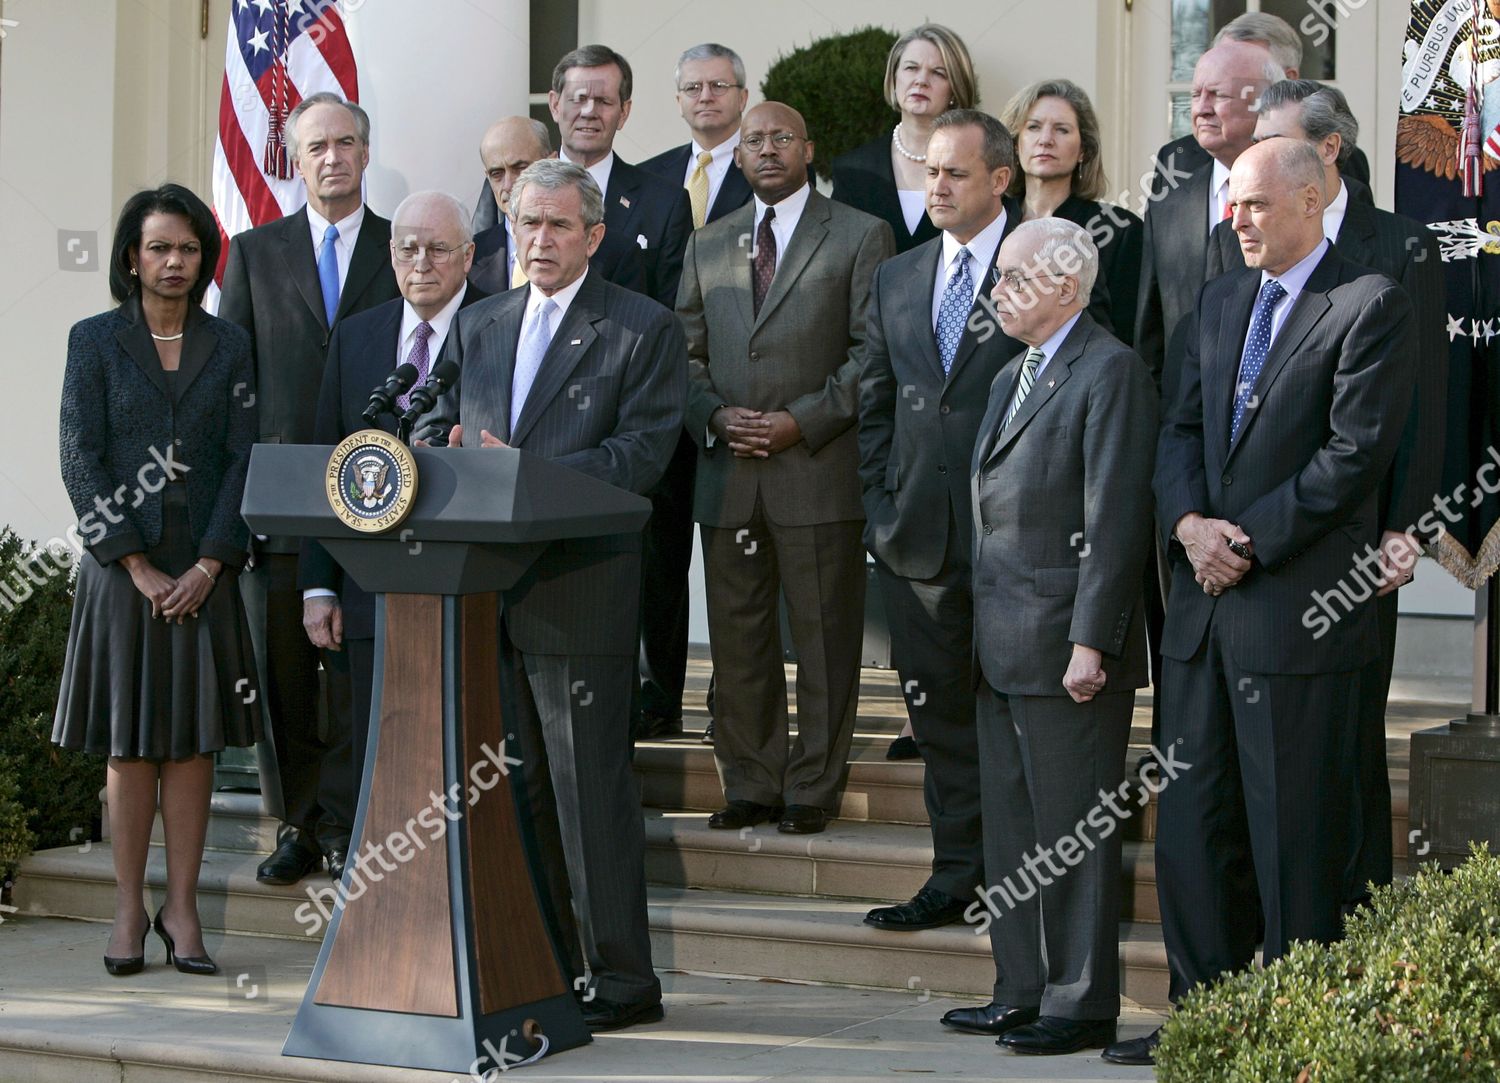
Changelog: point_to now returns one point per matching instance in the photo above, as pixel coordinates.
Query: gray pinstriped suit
(622, 354)
(1256, 697)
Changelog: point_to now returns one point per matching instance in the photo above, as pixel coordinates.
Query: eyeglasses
(781, 140)
(1013, 280)
(715, 89)
(437, 254)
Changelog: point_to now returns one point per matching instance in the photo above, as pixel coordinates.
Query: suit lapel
(575, 335)
(1356, 239)
(919, 307)
(493, 358)
(622, 203)
(740, 254)
(1310, 307)
(970, 341)
(1053, 376)
(371, 250)
(302, 262)
(812, 227)
(1220, 376)
(734, 193)
(198, 345)
(135, 338)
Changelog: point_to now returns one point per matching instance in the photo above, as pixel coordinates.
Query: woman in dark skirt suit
(1062, 175)
(158, 415)
(927, 73)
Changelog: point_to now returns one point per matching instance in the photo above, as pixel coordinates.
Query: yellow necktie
(697, 187)
(518, 275)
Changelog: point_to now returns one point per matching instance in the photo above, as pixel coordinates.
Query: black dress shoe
(338, 856)
(1134, 1051)
(992, 1019)
(903, 748)
(186, 964)
(1052, 1035)
(288, 863)
(928, 909)
(600, 1014)
(802, 820)
(738, 814)
(126, 965)
(651, 726)
(708, 732)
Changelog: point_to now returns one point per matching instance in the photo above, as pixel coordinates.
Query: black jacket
(671, 166)
(864, 179)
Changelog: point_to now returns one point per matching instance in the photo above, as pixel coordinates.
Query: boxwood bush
(837, 83)
(1412, 993)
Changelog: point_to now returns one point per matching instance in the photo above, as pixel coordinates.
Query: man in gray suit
(592, 376)
(773, 300)
(931, 354)
(1061, 483)
(1297, 374)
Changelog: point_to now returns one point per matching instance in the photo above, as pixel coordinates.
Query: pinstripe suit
(606, 402)
(1258, 694)
(790, 520)
(1399, 248)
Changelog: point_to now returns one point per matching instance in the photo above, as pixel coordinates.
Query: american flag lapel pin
(625, 203)
(1051, 383)
(576, 342)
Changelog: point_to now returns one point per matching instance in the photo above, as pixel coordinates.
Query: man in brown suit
(773, 300)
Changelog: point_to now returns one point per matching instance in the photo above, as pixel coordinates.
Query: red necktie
(765, 259)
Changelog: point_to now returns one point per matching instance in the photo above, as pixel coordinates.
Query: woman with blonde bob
(1062, 176)
(927, 73)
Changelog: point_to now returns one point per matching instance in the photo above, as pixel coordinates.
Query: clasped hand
(1216, 567)
(755, 434)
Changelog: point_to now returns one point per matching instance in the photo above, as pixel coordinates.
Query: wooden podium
(438, 956)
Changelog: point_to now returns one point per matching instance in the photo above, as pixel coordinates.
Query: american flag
(279, 52)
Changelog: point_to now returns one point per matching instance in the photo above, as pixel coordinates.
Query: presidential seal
(371, 481)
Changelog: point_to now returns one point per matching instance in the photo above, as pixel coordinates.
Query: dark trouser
(1370, 843)
(584, 809)
(318, 793)
(666, 561)
(1263, 805)
(1046, 764)
(932, 647)
(822, 571)
(361, 654)
(1154, 593)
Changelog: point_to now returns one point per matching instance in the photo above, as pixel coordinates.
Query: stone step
(718, 932)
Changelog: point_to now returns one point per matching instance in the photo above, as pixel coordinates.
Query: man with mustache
(773, 301)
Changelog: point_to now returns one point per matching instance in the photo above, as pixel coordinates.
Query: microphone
(383, 398)
(444, 375)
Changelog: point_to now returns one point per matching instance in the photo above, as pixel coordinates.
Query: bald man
(1296, 378)
(430, 251)
(508, 147)
(774, 353)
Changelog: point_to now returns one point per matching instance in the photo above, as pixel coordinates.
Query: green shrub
(837, 83)
(1412, 993)
(16, 839)
(59, 790)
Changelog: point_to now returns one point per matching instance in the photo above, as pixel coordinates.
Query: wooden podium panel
(394, 950)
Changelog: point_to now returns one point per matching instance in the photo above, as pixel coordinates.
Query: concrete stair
(755, 902)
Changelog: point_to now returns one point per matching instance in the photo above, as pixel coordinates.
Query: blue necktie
(529, 356)
(953, 311)
(328, 272)
(1256, 348)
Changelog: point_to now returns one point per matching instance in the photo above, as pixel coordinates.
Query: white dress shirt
(1218, 194)
(788, 214)
(510, 249)
(913, 205)
(562, 299)
(343, 248)
(1294, 281)
(981, 247)
(718, 167)
(1333, 214)
(600, 170)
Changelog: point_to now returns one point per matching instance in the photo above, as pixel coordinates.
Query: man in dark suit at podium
(431, 250)
(592, 376)
(290, 283)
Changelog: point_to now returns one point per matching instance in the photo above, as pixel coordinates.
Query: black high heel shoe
(130, 964)
(197, 964)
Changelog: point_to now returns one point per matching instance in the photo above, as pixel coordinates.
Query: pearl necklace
(167, 338)
(901, 147)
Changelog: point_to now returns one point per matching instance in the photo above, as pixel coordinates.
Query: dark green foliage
(59, 790)
(837, 84)
(1411, 994)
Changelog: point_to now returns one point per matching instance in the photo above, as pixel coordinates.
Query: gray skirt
(135, 687)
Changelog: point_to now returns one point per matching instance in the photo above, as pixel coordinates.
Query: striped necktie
(1034, 358)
